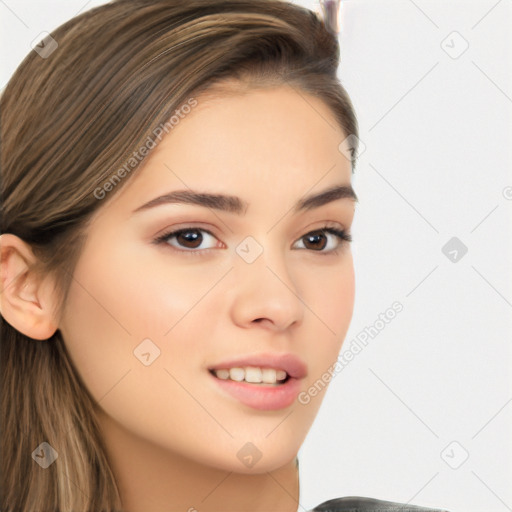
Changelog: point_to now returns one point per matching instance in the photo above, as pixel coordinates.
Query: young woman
(176, 271)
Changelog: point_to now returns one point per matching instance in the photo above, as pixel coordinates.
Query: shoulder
(361, 504)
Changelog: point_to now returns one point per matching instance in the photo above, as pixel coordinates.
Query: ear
(26, 301)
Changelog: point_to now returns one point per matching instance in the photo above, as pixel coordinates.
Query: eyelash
(342, 235)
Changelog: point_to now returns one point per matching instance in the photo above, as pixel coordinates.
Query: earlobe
(26, 301)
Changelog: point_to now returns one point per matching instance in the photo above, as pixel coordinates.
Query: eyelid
(334, 229)
(171, 233)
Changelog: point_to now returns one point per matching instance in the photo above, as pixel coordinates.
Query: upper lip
(290, 363)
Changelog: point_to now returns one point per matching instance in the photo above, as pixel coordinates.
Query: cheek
(116, 304)
(330, 303)
(331, 293)
(98, 330)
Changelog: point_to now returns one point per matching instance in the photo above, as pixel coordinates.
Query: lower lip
(260, 396)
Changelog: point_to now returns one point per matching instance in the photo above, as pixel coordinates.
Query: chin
(264, 465)
(251, 457)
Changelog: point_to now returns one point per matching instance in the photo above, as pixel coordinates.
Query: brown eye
(190, 238)
(323, 241)
(187, 239)
(320, 240)
(317, 239)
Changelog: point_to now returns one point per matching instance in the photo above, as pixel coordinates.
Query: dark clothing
(361, 504)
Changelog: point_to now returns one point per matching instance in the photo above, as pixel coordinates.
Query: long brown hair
(71, 122)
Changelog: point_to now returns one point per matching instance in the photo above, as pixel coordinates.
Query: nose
(264, 293)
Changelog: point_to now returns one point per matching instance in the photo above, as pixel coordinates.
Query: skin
(171, 434)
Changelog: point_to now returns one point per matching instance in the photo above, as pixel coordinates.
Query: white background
(433, 386)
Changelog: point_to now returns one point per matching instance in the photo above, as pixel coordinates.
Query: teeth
(281, 374)
(252, 374)
(237, 374)
(222, 374)
(269, 375)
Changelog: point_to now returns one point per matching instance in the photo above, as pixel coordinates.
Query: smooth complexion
(173, 435)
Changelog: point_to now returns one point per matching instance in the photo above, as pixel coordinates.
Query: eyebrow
(233, 204)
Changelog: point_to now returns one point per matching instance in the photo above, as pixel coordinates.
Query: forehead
(283, 118)
(255, 143)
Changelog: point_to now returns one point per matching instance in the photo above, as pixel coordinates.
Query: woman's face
(145, 322)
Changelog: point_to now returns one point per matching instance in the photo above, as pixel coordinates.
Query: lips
(290, 363)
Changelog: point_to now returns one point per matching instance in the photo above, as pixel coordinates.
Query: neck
(151, 478)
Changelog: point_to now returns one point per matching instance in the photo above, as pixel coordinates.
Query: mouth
(267, 377)
(265, 382)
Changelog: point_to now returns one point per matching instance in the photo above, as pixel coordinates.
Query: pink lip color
(290, 363)
(261, 397)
